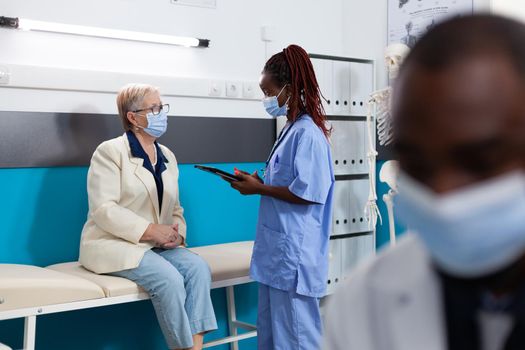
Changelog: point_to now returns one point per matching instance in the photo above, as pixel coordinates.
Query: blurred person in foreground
(457, 281)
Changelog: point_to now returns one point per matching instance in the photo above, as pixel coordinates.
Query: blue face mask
(157, 124)
(271, 104)
(471, 232)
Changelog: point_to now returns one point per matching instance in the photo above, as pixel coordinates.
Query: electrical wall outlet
(233, 88)
(248, 89)
(4, 75)
(216, 88)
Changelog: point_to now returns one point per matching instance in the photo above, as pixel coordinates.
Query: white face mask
(470, 232)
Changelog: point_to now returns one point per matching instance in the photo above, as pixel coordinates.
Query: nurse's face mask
(271, 104)
(471, 232)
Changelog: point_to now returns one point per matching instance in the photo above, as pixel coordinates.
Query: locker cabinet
(341, 87)
(334, 265)
(361, 85)
(350, 198)
(349, 147)
(354, 250)
(347, 83)
(324, 73)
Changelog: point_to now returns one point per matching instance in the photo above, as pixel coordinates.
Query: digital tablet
(227, 176)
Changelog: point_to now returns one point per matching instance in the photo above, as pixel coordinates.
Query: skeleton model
(381, 101)
(388, 174)
(371, 209)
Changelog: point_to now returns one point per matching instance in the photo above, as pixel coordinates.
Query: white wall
(365, 30)
(236, 51)
(337, 27)
(512, 8)
(365, 33)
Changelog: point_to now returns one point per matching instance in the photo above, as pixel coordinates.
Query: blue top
(138, 152)
(291, 244)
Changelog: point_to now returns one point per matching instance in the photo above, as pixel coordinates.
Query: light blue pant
(287, 320)
(178, 282)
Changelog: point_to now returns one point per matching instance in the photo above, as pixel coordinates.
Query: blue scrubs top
(291, 244)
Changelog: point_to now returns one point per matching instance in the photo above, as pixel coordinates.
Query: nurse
(290, 256)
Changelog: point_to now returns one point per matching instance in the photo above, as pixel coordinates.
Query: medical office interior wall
(42, 222)
(236, 52)
(32, 215)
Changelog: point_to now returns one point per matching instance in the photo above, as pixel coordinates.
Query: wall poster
(408, 20)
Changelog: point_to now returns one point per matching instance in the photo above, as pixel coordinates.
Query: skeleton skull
(394, 55)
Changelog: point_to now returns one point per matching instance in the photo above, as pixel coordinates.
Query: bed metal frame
(30, 314)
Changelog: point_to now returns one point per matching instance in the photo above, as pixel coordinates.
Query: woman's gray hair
(130, 98)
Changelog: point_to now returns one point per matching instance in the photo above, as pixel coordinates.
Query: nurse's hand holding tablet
(248, 183)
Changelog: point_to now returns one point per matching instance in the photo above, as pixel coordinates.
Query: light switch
(248, 89)
(4, 75)
(216, 88)
(268, 33)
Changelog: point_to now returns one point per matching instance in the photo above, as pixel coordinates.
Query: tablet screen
(218, 172)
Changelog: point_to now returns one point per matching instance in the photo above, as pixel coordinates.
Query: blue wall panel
(42, 211)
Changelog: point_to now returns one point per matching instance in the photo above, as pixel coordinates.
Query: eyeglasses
(155, 110)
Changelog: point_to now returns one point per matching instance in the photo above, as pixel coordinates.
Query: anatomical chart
(408, 20)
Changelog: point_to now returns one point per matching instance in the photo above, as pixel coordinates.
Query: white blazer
(393, 302)
(123, 201)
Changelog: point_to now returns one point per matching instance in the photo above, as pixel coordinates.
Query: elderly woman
(135, 227)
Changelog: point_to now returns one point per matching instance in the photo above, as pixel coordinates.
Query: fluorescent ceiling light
(39, 26)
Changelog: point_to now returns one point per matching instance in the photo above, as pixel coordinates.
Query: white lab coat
(391, 303)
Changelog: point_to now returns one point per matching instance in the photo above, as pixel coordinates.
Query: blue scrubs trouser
(287, 320)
